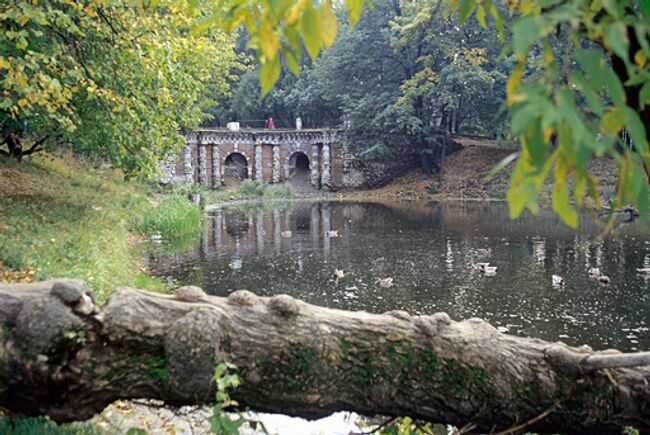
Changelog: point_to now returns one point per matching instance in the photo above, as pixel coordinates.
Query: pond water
(427, 249)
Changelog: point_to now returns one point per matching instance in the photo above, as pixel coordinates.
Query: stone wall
(267, 155)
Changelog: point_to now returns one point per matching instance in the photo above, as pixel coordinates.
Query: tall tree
(565, 116)
(107, 78)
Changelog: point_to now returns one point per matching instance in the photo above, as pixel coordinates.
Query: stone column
(326, 178)
(188, 170)
(218, 228)
(216, 166)
(205, 239)
(277, 164)
(203, 165)
(259, 232)
(277, 230)
(315, 167)
(326, 212)
(314, 226)
(258, 161)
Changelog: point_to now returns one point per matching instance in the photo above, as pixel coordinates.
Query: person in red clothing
(269, 123)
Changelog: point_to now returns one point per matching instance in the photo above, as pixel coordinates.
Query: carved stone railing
(270, 137)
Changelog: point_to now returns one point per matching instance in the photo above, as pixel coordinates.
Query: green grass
(63, 217)
(173, 217)
(253, 189)
(45, 426)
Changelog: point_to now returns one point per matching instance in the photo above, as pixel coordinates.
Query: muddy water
(427, 250)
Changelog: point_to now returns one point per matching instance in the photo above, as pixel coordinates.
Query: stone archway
(299, 165)
(235, 166)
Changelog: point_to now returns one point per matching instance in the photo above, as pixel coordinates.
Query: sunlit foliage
(108, 77)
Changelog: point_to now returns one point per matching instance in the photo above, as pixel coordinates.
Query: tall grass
(173, 217)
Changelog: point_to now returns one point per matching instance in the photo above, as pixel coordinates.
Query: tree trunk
(61, 356)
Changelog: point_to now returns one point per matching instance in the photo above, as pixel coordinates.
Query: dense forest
(403, 69)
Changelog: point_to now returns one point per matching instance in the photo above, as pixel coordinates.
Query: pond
(299, 247)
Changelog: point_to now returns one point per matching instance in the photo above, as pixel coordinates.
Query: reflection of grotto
(303, 219)
(236, 223)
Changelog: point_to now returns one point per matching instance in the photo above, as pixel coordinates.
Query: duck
(557, 281)
(339, 273)
(485, 268)
(385, 282)
(490, 270)
(286, 234)
(594, 272)
(333, 233)
(604, 279)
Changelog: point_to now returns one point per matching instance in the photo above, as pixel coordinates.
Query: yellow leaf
(22, 102)
(640, 58)
(91, 89)
(326, 24)
(269, 41)
(293, 13)
(612, 122)
(513, 82)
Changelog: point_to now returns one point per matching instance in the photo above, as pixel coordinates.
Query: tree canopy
(580, 85)
(108, 78)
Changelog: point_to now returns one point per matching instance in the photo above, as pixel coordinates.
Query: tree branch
(34, 148)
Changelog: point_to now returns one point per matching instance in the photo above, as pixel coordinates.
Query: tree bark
(62, 356)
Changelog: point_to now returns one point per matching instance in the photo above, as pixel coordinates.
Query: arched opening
(298, 165)
(235, 166)
(236, 223)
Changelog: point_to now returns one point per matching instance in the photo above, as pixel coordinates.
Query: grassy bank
(249, 189)
(61, 216)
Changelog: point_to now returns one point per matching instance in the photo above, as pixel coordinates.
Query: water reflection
(295, 247)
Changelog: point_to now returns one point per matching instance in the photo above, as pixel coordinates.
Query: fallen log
(62, 356)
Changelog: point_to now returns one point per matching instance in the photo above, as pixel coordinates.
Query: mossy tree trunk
(61, 356)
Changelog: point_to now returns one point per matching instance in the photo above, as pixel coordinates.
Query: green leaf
(291, 60)
(616, 39)
(644, 5)
(269, 74)
(644, 94)
(526, 31)
(310, 34)
(588, 91)
(612, 122)
(614, 86)
(465, 9)
(522, 117)
(592, 62)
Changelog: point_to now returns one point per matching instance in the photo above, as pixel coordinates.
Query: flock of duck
(557, 280)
